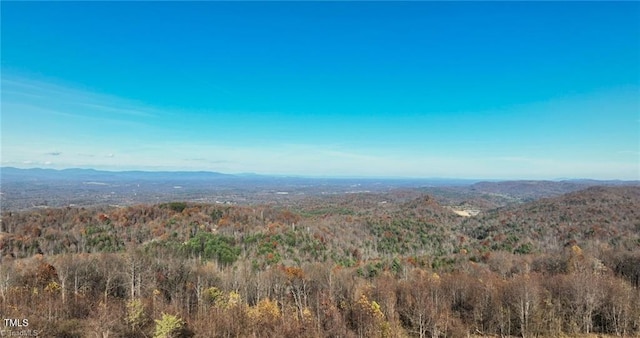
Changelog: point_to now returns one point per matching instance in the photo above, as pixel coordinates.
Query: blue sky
(415, 89)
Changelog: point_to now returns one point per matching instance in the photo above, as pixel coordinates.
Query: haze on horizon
(503, 90)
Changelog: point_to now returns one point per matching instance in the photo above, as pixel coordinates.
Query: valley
(298, 257)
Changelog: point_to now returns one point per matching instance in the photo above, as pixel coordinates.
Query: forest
(393, 264)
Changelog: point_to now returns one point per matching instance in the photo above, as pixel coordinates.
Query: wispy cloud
(27, 163)
(77, 128)
(22, 95)
(118, 110)
(82, 125)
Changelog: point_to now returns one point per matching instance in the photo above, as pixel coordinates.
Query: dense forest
(350, 265)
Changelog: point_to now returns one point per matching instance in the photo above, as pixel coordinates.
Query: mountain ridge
(484, 183)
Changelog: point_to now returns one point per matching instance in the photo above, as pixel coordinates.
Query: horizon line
(240, 174)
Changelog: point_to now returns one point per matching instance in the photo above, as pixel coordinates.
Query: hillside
(532, 190)
(336, 227)
(596, 216)
(342, 229)
(397, 263)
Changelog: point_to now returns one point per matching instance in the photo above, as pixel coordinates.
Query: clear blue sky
(457, 89)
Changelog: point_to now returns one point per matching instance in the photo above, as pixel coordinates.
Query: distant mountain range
(8, 174)
(11, 174)
(29, 188)
(531, 190)
(16, 174)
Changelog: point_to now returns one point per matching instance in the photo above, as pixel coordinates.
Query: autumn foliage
(348, 269)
